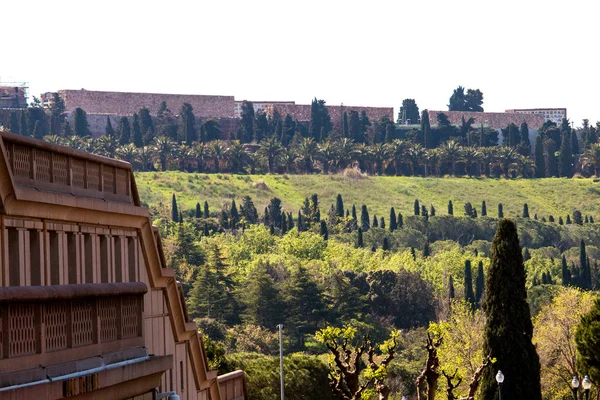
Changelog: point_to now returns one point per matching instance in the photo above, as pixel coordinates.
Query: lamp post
(587, 385)
(280, 326)
(575, 386)
(499, 379)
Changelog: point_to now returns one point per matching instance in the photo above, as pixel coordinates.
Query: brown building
(490, 119)
(13, 95)
(555, 115)
(88, 307)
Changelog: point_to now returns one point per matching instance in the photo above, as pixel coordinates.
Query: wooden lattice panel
(122, 182)
(9, 156)
(109, 179)
(55, 320)
(93, 176)
(61, 175)
(83, 323)
(21, 327)
(108, 313)
(22, 161)
(130, 310)
(78, 173)
(1, 342)
(43, 160)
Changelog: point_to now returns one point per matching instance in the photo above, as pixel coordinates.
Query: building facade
(490, 119)
(13, 96)
(555, 115)
(89, 308)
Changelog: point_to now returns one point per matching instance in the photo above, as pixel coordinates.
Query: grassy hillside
(544, 196)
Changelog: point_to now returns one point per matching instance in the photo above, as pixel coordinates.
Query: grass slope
(554, 196)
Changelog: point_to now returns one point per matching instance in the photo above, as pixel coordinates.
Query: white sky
(520, 54)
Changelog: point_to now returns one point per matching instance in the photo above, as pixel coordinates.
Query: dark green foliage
(13, 123)
(365, 223)
(124, 131)
(426, 249)
(284, 226)
(585, 280)
(80, 123)
(509, 330)
(568, 221)
(138, 140)
(37, 131)
(393, 223)
(206, 211)
(261, 298)
(66, 132)
(205, 231)
(451, 294)
(413, 253)
(470, 211)
(431, 211)
(540, 160)
(355, 131)
(483, 209)
(345, 129)
(551, 161)
(386, 244)
(359, 240)
(586, 221)
(450, 208)
(525, 211)
(187, 125)
(109, 130)
(248, 211)
(417, 207)
(550, 218)
(375, 223)
(577, 219)
(471, 101)
(479, 284)
(409, 112)
(469, 295)
(234, 216)
(426, 130)
(339, 206)
(300, 223)
(587, 338)
(500, 211)
(146, 125)
(274, 209)
(575, 143)
(24, 124)
(174, 210)
(524, 133)
(565, 158)
(400, 220)
(320, 121)
(382, 223)
(424, 213)
(560, 221)
(198, 213)
(526, 254)
(246, 130)
(261, 126)
(323, 231)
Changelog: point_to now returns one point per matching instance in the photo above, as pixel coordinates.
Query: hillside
(556, 196)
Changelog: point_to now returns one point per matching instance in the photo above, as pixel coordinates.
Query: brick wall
(123, 103)
(301, 112)
(493, 120)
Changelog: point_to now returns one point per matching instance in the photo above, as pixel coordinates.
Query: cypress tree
(266, 219)
(535, 217)
(400, 220)
(450, 208)
(206, 232)
(234, 215)
(359, 242)
(206, 213)
(479, 284)
(565, 158)
(373, 248)
(299, 222)
(283, 225)
(382, 223)
(577, 219)
(550, 218)
(544, 278)
(174, 210)
(568, 220)
(508, 329)
(345, 130)
(500, 211)
(290, 223)
(540, 160)
(450, 288)
(364, 218)
(586, 221)
(431, 211)
(426, 130)
(24, 126)
(525, 211)
(13, 124)
(566, 274)
(575, 143)
(524, 133)
(591, 219)
(483, 209)
(109, 130)
(417, 207)
(375, 224)
(198, 211)
(354, 217)
(386, 244)
(468, 284)
(424, 213)
(180, 217)
(339, 206)
(272, 229)
(543, 219)
(426, 249)
(324, 232)
(124, 131)
(393, 223)
(560, 221)
(136, 130)
(585, 281)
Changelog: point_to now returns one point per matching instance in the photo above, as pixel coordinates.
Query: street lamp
(587, 385)
(280, 327)
(575, 386)
(499, 379)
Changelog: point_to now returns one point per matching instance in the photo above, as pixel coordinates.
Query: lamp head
(499, 377)
(587, 383)
(575, 383)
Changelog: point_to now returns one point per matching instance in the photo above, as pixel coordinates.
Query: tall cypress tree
(574, 143)
(417, 207)
(483, 209)
(354, 218)
(234, 214)
(324, 233)
(500, 211)
(393, 223)
(400, 220)
(479, 284)
(300, 222)
(339, 206)
(109, 130)
(375, 223)
(565, 158)
(508, 329)
(450, 208)
(585, 280)
(206, 211)
(136, 130)
(24, 125)
(187, 125)
(198, 211)
(566, 274)
(174, 210)
(359, 241)
(13, 123)
(426, 130)
(451, 294)
(345, 130)
(364, 219)
(540, 160)
(124, 131)
(468, 284)
(525, 211)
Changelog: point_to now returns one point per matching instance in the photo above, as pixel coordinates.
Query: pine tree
(339, 206)
(262, 300)
(359, 242)
(525, 211)
(450, 208)
(206, 211)
(400, 220)
(540, 160)
(479, 284)
(585, 280)
(393, 223)
(248, 211)
(364, 218)
(417, 207)
(174, 210)
(198, 211)
(483, 209)
(509, 330)
(138, 139)
(468, 284)
(451, 294)
(234, 216)
(566, 274)
(324, 233)
(500, 211)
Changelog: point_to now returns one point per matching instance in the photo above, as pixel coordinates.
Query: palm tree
(327, 154)
(217, 153)
(432, 161)
(469, 155)
(363, 155)
(288, 159)
(415, 155)
(488, 158)
(201, 155)
(127, 153)
(507, 156)
(146, 156)
(398, 150)
(164, 148)
(591, 157)
(54, 139)
(523, 166)
(380, 154)
(107, 145)
(76, 142)
(237, 156)
(306, 151)
(186, 156)
(346, 152)
(451, 151)
(270, 148)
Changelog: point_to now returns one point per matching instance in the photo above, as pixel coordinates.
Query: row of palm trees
(400, 157)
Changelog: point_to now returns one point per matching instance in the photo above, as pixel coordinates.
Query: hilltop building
(555, 115)
(13, 95)
(88, 306)
(494, 120)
